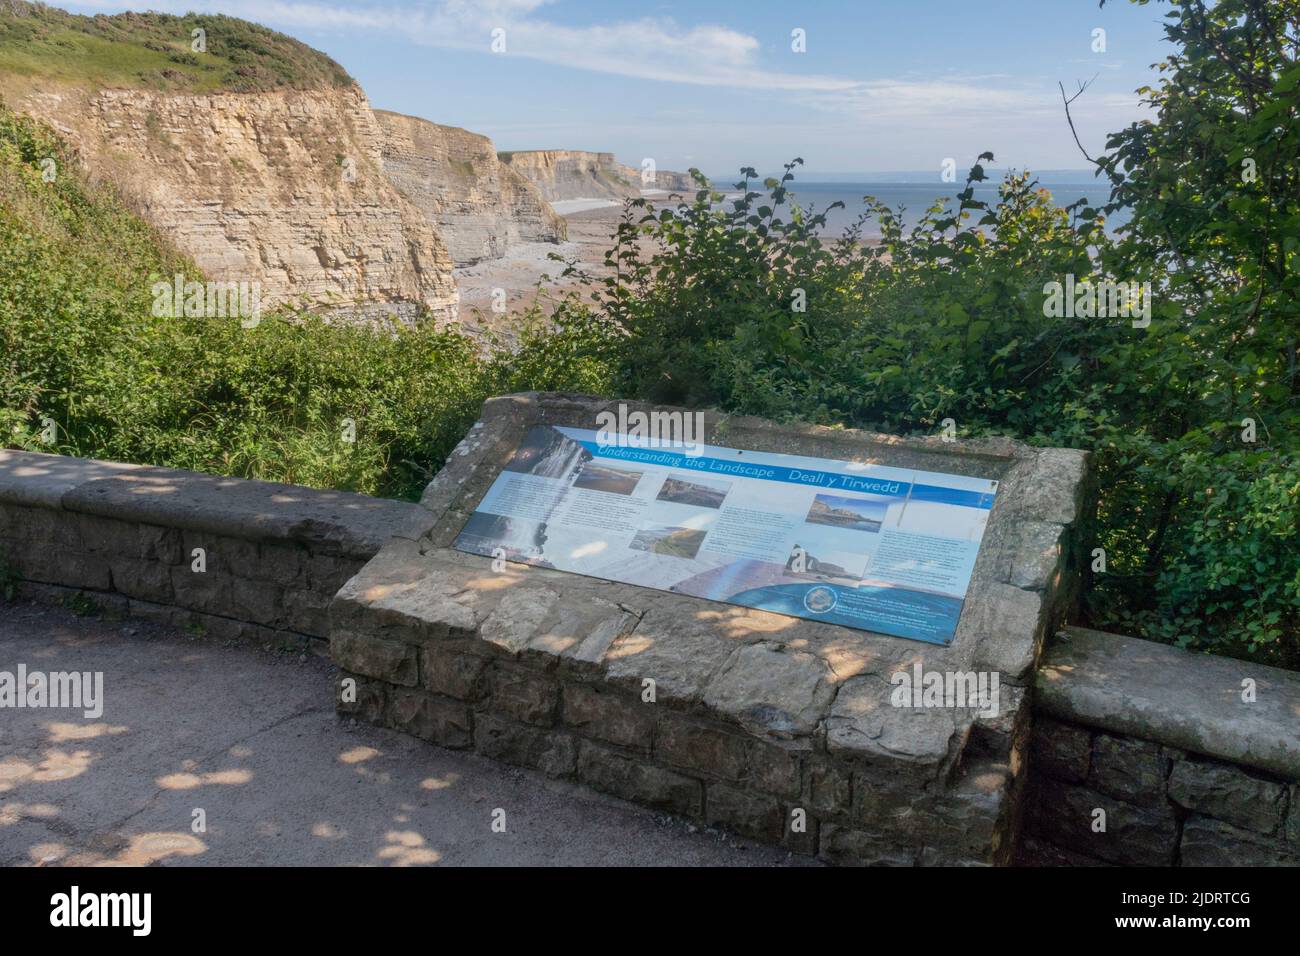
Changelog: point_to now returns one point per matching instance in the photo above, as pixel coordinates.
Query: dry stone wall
(772, 727)
(1146, 755)
(125, 538)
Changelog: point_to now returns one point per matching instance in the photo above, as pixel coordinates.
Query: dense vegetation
(155, 50)
(81, 354)
(1193, 418)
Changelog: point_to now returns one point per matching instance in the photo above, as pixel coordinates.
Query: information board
(880, 549)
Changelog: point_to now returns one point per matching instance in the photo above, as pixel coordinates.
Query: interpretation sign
(864, 546)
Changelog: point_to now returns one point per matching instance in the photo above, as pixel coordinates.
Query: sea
(914, 197)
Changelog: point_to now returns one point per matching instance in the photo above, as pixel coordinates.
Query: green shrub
(81, 353)
(1198, 517)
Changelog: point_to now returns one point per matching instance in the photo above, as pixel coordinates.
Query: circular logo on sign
(819, 600)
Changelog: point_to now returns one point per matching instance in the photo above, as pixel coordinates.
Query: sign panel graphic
(864, 546)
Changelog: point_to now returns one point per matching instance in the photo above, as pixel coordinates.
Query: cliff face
(284, 187)
(479, 205)
(573, 174)
(675, 182)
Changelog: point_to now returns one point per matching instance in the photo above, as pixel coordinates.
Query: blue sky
(883, 84)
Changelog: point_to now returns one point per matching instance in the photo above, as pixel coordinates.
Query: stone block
(1010, 624)
(1063, 751)
(580, 633)
(256, 601)
(326, 573)
(106, 536)
(158, 544)
(552, 752)
(447, 668)
(662, 789)
(222, 555)
(610, 715)
(1130, 770)
(1065, 814)
(72, 569)
(691, 744)
(743, 811)
(201, 591)
(830, 787)
(673, 648)
(1208, 842)
(864, 725)
(846, 846)
(772, 692)
(524, 695)
(518, 617)
(437, 719)
(1036, 557)
(332, 522)
(1228, 793)
(306, 612)
(1105, 680)
(774, 769)
(1054, 492)
(284, 565)
(141, 579)
(1004, 729)
(370, 698)
(28, 527)
(969, 821)
(804, 839)
(389, 661)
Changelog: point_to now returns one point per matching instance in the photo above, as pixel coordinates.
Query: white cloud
(661, 50)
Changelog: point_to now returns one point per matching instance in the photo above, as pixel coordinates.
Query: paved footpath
(248, 737)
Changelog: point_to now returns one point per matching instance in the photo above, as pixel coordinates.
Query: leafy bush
(81, 353)
(1193, 420)
(742, 305)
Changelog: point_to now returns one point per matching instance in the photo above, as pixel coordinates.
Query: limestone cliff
(572, 174)
(675, 182)
(479, 205)
(575, 174)
(285, 187)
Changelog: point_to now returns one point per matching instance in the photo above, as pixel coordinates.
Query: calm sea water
(916, 197)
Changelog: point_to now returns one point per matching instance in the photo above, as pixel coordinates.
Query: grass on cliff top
(153, 51)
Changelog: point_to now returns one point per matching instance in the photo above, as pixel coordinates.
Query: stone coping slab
(335, 522)
(1174, 697)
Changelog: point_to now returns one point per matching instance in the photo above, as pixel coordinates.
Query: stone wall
(772, 727)
(123, 538)
(779, 728)
(1186, 759)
